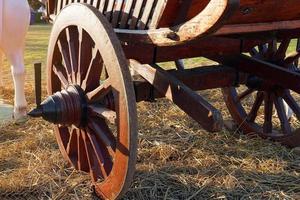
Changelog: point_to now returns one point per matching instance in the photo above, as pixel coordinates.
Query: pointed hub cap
(67, 107)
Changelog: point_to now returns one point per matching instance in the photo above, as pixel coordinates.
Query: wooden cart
(96, 44)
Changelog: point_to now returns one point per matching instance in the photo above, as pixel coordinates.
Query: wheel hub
(67, 107)
(257, 83)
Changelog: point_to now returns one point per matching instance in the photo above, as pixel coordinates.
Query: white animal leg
(18, 72)
(1, 68)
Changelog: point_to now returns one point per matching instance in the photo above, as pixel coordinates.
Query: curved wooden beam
(206, 22)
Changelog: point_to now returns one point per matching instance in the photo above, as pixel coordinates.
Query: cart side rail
(137, 22)
(129, 14)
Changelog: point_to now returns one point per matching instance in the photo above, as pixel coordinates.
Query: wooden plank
(126, 13)
(135, 14)
(109, 9)
(210, 46)
(270, 72)
(101, 6)
(158, 12)
(205, 23)
(58, 6)
(258, 27)
(64, 3)
(146, 14)
(116, 13)
(188, 100)
(250, 11)
(199, 78)
(95, 3)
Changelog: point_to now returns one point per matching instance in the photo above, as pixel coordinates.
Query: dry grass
(176, 160)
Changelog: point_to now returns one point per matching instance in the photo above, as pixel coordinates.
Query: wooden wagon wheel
(261, 107)
(88, 73)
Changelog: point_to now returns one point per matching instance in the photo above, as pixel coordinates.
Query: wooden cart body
(254, 19)
(248, 38)
(250, 13)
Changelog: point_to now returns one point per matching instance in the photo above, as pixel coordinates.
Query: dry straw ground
(176, 158)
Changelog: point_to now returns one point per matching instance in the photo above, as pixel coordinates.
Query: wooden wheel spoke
(104, 163)
(72, 52)
(103, 133)
(80, 36)
(72, 145)
(58, 72)
(64, 135)
(256, 105)
(86, 46)
(95, 56)
(272, 48)
(262, 49)
(82, 156)
(281, 53)
(100, 92)
(292, 103)
(253, 52)
(268, 112)
(90, 156)
(292, 58)
(285, 125)
(65, 56)
(298, 44)
(297, 49)
(244, 94)
(102, 112)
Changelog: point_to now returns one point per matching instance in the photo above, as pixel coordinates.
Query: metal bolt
(246, 11)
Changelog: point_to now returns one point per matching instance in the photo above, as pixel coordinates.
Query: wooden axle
(200, 78)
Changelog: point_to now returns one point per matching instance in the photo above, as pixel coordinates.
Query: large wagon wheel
(260, 107)
(88, 73)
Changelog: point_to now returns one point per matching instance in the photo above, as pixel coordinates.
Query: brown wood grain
(250, 11)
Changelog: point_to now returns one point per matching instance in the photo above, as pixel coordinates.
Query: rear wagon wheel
(261, 107)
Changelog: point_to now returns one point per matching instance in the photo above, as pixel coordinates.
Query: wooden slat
(95, 3)
(131, 14)
(159, 9)
(136, 13)
(64, 3)
(109, 9)
(58, 6)
(116, 12)
(126, 13)
(145, 17)
(101, 6)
